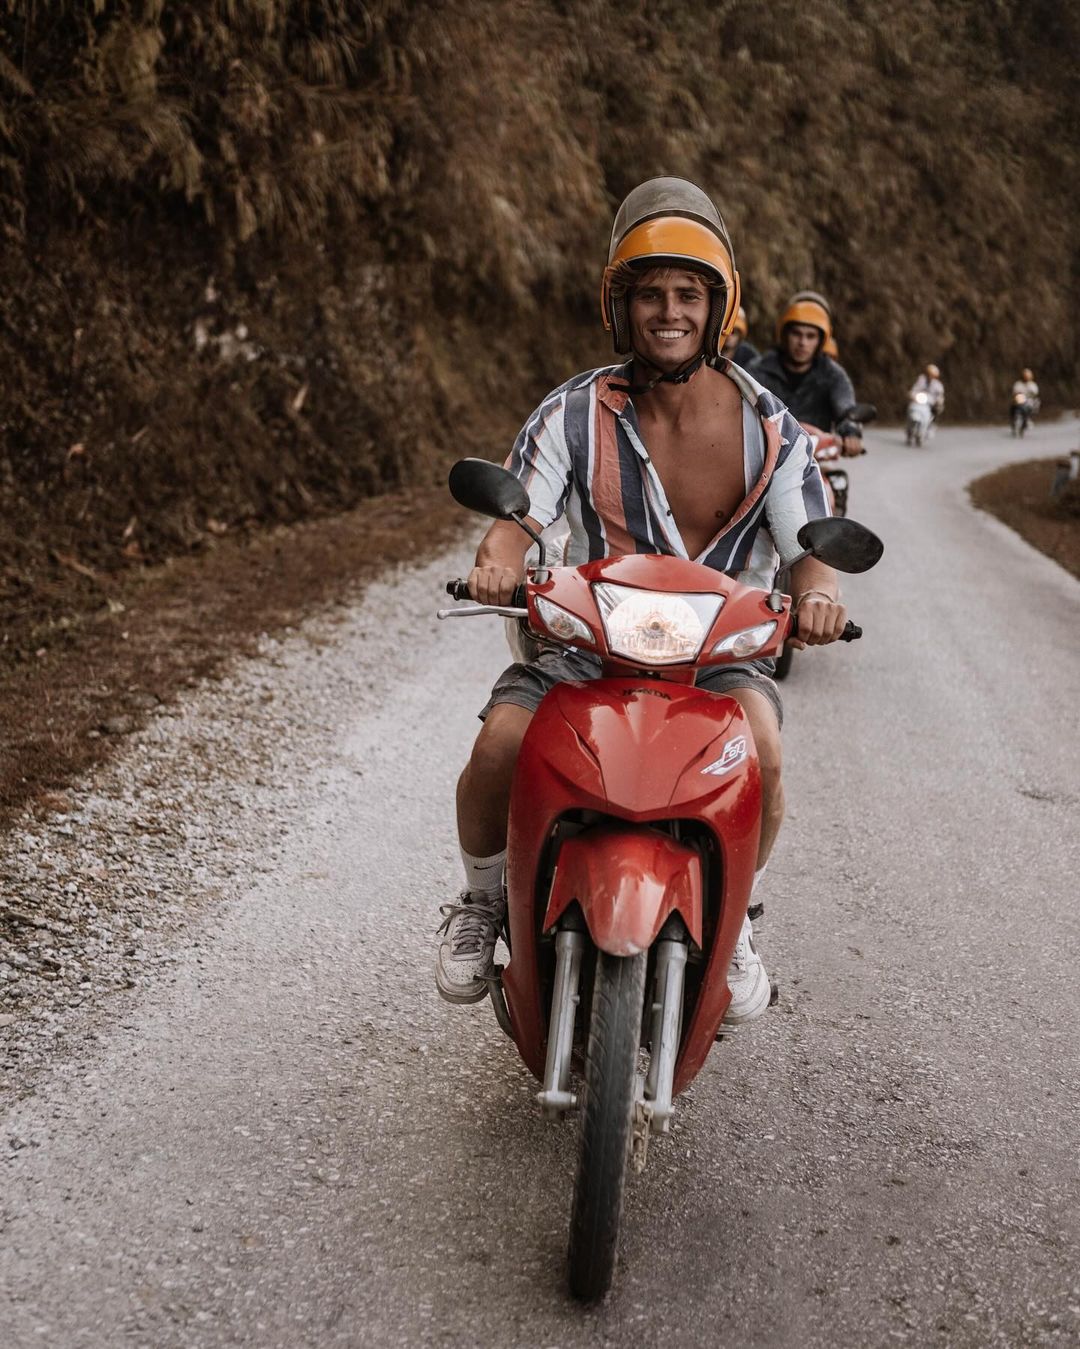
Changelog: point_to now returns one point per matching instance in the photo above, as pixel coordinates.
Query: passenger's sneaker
(749, 984)
(466, 958)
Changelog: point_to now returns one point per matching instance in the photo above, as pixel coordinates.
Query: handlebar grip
(459, 590)
(852, 632)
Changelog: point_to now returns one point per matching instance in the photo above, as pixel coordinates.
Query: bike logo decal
(735, 752)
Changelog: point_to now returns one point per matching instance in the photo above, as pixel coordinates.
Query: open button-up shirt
(581, 454)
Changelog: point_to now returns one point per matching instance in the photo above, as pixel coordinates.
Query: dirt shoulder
(113, 648)
(1019, 495)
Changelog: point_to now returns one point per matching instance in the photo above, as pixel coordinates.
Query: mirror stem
(540, 571)
(774, 601)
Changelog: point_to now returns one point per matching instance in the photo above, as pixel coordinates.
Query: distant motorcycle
(1021, 413)
(920, 419)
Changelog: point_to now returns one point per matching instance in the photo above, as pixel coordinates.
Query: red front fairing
(615, 753)
(743, 607)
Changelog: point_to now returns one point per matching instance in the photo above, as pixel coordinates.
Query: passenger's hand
(821, 620)
(851, 446)
(493, 585)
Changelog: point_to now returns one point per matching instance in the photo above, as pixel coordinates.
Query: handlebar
(459, 590)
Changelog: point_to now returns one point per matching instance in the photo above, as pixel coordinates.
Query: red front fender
(628, 880)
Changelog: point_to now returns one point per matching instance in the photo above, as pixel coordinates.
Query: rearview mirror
(860, 412)
(841, 543)
(479, 485)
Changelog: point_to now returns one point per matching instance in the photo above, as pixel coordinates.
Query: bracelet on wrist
(822, 594)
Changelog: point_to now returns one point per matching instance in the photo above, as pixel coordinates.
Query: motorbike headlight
(745, 643)
(560, 623)
(922, 398)
(653, 627)
(839, 481)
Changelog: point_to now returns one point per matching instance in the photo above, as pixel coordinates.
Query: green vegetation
(265, 257)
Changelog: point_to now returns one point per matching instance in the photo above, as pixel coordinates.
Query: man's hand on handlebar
(494, 584)
(820, 621)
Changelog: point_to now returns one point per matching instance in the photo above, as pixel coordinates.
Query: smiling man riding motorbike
(676, 451)
(815, 388)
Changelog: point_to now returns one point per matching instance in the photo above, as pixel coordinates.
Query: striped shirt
(581, 455)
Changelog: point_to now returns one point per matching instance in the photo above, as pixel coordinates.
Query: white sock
(484, 875)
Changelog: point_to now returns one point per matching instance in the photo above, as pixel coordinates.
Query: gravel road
(235, 1112)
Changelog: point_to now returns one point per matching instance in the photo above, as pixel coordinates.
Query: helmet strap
(678, 376)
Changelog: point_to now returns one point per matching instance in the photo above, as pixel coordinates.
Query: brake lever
(506, 610)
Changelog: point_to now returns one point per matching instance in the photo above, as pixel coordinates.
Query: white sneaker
(751, 991)
(466, 958)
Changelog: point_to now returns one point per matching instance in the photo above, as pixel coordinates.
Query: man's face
(668, 314)
(800, 341)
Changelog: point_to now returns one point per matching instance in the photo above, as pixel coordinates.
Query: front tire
(783, 662)
(606, 1121)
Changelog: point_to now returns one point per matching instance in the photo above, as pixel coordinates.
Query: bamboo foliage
(263, 115)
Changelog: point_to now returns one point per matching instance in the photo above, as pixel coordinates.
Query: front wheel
(606, 1121)
(783, 663)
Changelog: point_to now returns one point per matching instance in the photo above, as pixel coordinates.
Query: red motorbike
(633, 836)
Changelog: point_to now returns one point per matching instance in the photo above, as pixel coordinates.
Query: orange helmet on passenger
(668, 222)
(806, 306)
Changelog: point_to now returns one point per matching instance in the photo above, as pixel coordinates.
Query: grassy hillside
(265, 257)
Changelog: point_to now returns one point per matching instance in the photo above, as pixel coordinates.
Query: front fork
(653, 1108)
(570, 943)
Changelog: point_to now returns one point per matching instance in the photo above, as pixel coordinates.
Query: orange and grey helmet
(932, 372)
(830, 349)
(806, 306)
(668, 222)
(741, 325)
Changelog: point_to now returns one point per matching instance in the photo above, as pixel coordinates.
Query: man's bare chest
(703, 477)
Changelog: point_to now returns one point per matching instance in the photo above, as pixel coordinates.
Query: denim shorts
(526, 685)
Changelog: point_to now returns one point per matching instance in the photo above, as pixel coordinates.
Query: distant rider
(815, 388)
(929, 382)
(736, 347)
(676, 451)
(1026, 385)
